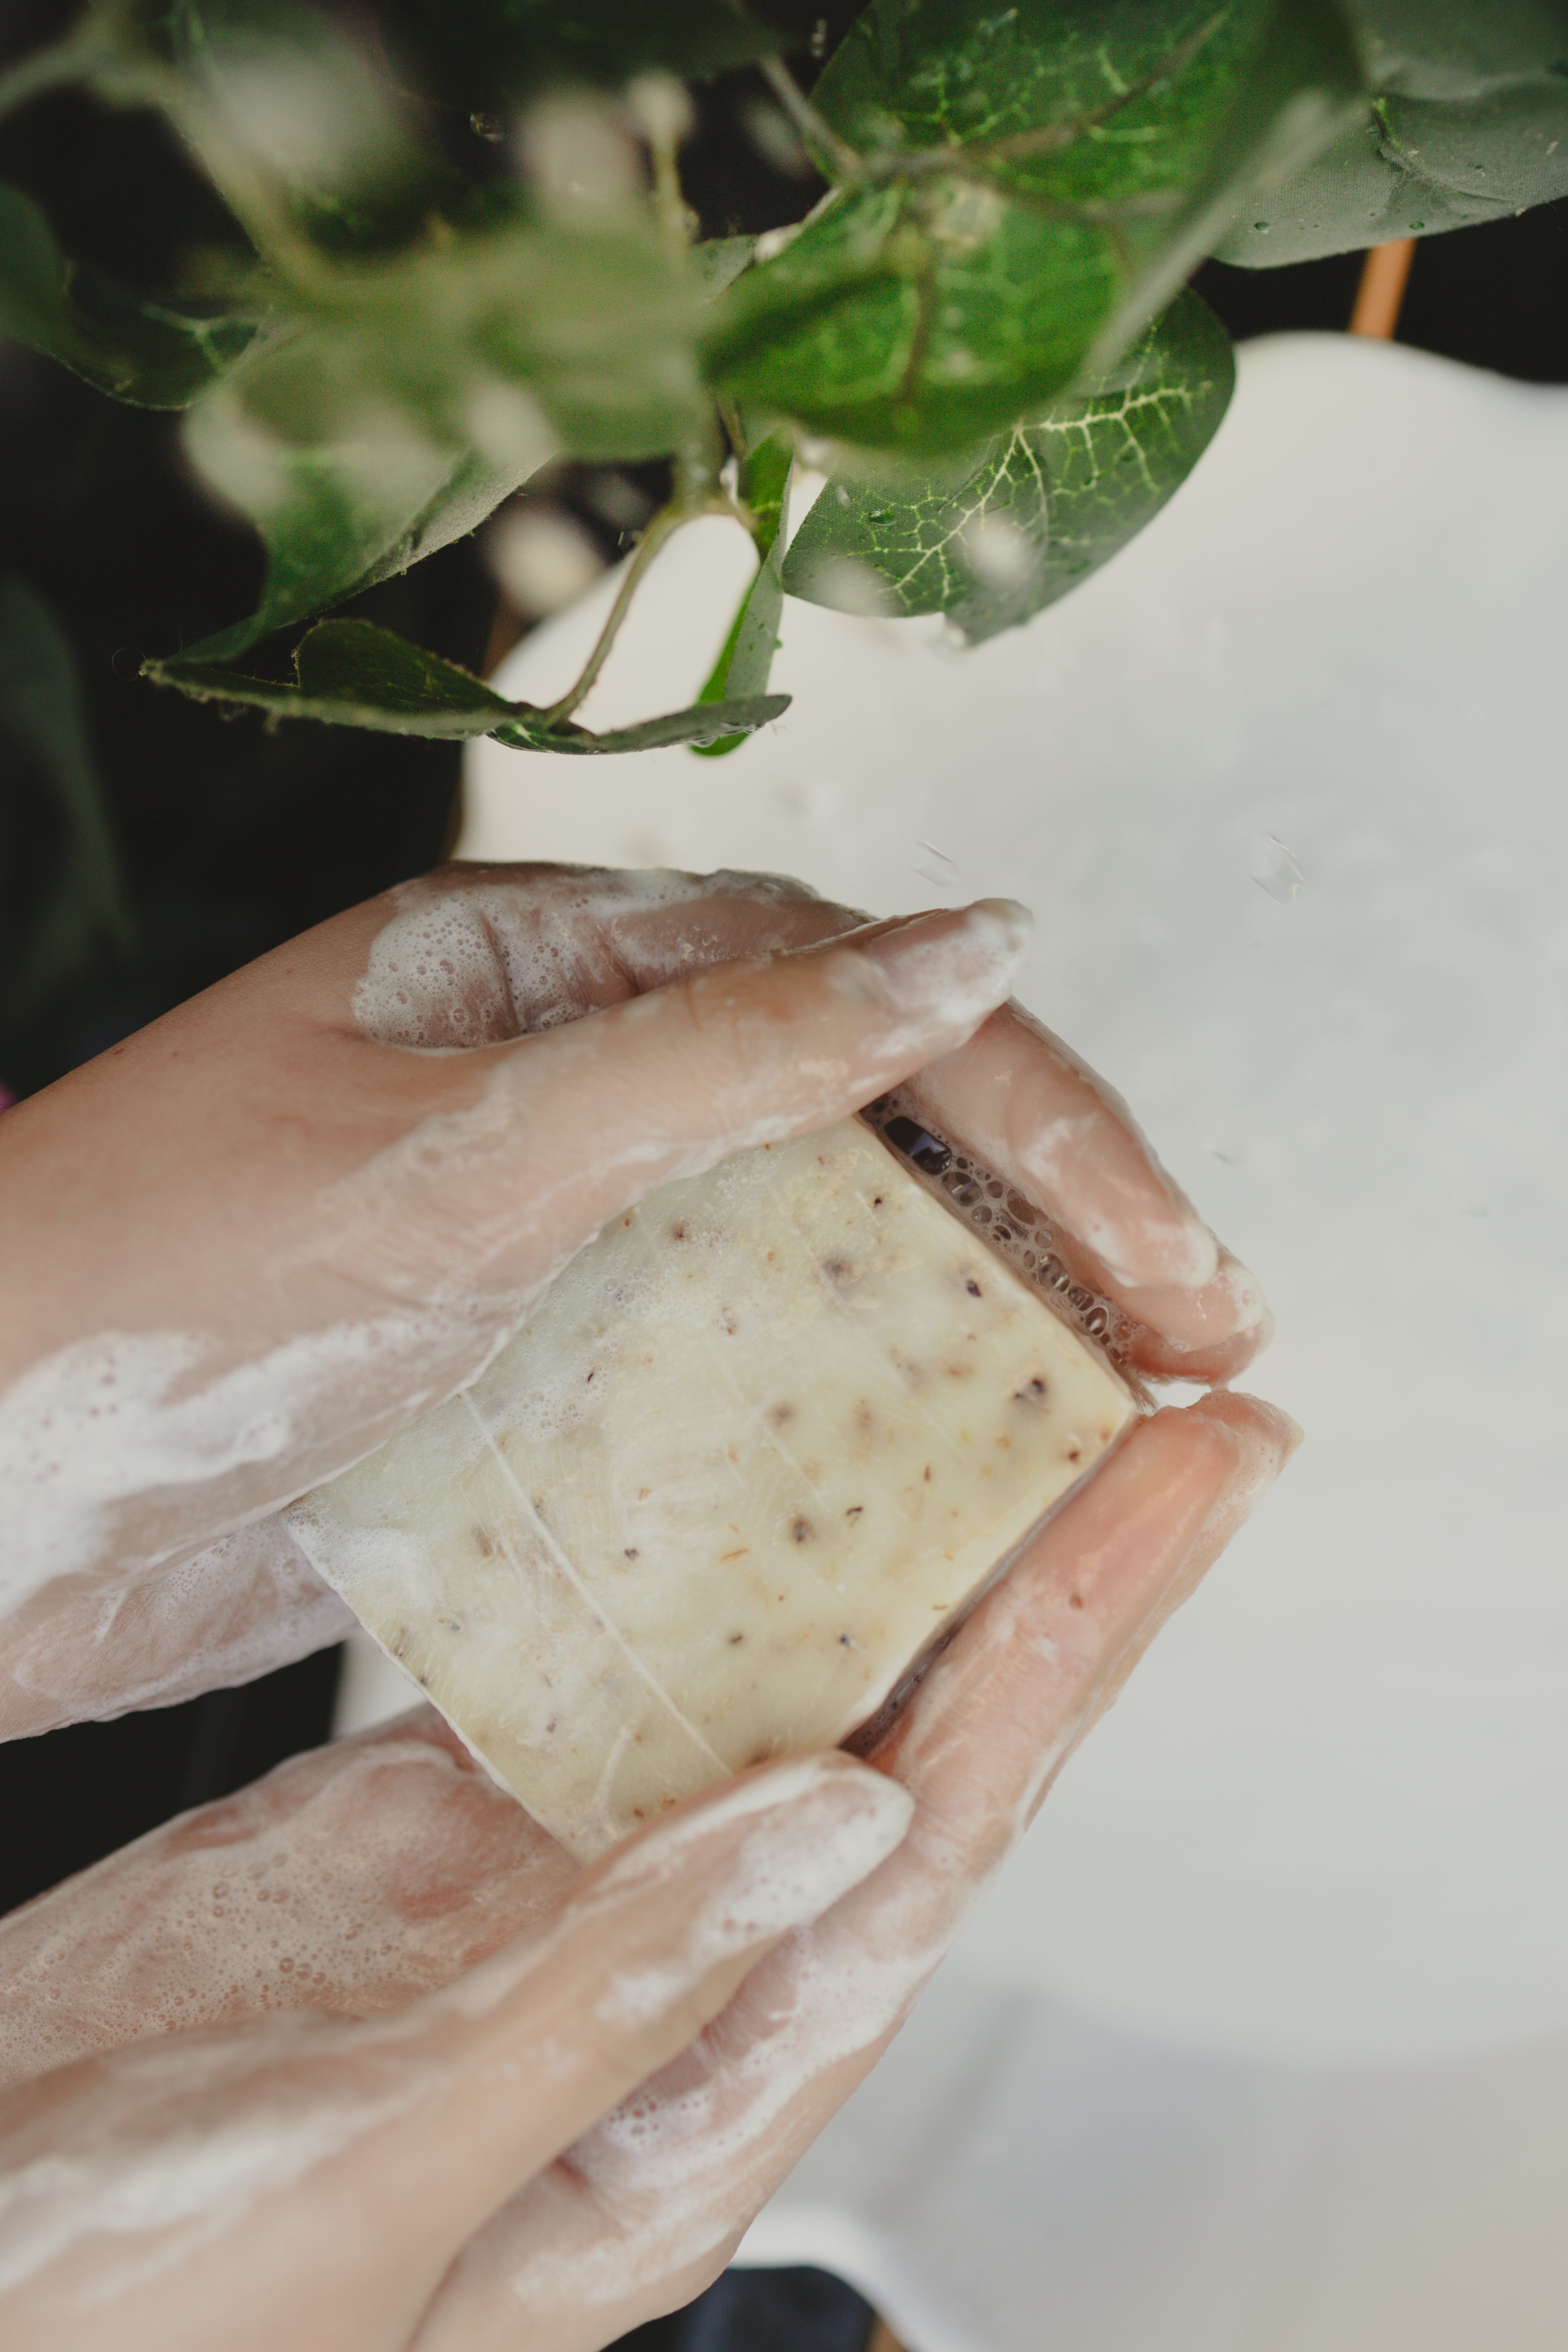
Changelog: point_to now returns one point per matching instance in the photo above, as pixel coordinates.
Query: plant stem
(668, 519)
(821, 137)
(669, 199)
(1382, 288)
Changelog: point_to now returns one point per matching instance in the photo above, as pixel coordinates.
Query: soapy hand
(512, 2103)
(245, 1247)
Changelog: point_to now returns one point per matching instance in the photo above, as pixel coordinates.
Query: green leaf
(1470, 123)
(350, 440)
(140, 352)
(747, 659)
(993, 542)
(1033, 184)
(352, 674)
(43, 730)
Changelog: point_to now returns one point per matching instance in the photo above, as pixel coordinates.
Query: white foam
(350, 1881)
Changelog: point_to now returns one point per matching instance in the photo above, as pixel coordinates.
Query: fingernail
(957, 963)
(1180, 1256)
(1232, 1306)
(1265, 1438)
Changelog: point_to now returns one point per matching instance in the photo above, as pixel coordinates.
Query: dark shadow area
(763, 2311)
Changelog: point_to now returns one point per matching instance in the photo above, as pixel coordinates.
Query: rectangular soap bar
(758, 1444)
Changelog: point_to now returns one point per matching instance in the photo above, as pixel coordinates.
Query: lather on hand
(483, 2116)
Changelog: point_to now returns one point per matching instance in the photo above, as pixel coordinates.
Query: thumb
(528, 1148)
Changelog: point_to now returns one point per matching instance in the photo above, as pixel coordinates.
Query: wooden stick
(1382, 289)
(882, 2339)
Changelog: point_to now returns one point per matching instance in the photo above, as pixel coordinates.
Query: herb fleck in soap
(758, 1446)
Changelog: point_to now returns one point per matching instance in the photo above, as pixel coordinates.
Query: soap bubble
(662, 109)
(1274, 868)
(578, 158)
(543, 560)
(936, 867)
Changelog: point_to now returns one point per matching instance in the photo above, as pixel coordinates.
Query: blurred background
(162, 846)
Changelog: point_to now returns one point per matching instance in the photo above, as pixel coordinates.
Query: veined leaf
(352, 674)
(743, 666)
(1470, 123)
(424, 391)
(991, 542)
(1033, 184)
(136, 350)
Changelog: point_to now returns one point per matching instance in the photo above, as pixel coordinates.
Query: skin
(490, 2100)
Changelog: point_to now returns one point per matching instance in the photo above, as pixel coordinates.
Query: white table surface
(1261, 2043)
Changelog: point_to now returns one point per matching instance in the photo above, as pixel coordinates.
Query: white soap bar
(759, 1442)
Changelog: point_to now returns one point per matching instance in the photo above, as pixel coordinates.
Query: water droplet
(1274, 868)
(938, 867)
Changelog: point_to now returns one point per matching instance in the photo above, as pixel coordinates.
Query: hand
(242, 1248)
(570, 2136)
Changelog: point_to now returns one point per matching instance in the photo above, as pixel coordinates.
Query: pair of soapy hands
(360, 2058)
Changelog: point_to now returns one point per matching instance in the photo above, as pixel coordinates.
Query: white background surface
(1251, 2050)
(1326, 1819)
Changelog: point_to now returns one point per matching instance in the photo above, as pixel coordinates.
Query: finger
(86, 1647)
(543, 944)
(1044, 1121)
(663, 2187)
(526, 1150)
(349, 1881)
(321, 2141)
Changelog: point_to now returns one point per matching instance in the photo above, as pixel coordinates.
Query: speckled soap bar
(758, 1444)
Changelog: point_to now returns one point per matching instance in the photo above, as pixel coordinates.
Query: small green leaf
(1033, 184)
(704, 723)
(350, 440)
(43, 730)
(136, 350)
(353, 673)
(1470, 123)
(747, 658)
(992, 542)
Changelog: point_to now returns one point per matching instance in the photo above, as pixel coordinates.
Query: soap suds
(126, 1417)
(126, 2184)
(228, 1612)
(348, 1880)
(794, 1867)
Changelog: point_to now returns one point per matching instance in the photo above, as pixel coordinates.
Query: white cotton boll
(772, 242)
(578, 159)
(384, 458)
(543, 560)
(509, 428)
(1000, 555)
(236, 454)
(662, 109)
(311, 116)
(619, 500)
(851, 587)
(776, 140)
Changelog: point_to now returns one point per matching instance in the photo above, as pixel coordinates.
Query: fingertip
(952, 965)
